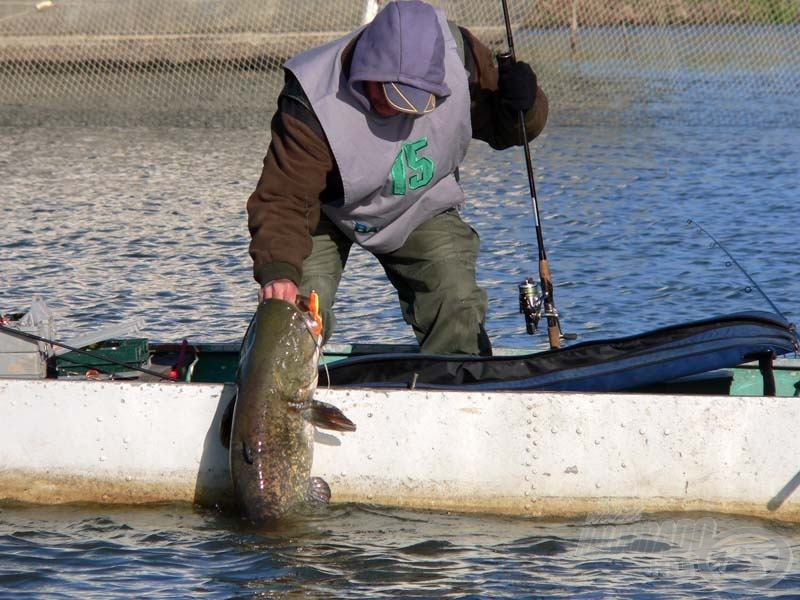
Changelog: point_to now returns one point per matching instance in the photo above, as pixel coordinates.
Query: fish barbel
(272, 431)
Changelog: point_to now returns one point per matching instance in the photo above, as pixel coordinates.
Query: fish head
(281, 350)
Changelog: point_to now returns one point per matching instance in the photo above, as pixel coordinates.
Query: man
(366, 143)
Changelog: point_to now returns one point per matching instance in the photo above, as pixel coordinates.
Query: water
(172, 551)
(113, 224)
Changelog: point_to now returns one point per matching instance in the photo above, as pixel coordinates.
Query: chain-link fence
(217, 62)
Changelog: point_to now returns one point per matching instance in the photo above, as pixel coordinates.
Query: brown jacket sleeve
(283, 211)
(300, 171)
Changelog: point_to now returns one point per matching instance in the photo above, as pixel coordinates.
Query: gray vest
(397, 172)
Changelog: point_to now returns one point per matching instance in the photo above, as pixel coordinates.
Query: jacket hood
(403, 45)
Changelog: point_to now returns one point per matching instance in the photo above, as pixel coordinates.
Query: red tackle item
(313, 307)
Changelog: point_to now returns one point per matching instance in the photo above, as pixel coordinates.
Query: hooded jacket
(301, 174)
(396, 172)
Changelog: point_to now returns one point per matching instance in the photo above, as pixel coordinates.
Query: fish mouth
(312, 325)
(314, 328)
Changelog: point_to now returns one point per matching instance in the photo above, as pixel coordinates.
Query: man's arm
(284, 209)
(492, 120)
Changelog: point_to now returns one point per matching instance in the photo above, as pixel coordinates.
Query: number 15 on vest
(410, 169)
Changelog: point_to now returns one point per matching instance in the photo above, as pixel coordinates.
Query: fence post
(370, 10)
(573, 27)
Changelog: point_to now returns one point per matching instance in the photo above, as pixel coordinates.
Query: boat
(697, 416)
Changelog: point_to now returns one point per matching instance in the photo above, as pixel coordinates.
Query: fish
(274, 414)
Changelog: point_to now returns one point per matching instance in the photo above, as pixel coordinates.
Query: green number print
(421, 167)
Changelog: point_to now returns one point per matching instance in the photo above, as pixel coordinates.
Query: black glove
(516, 84)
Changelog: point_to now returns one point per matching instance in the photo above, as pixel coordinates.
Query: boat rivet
(535, 430)
(534, 456)
(554, 430)
(527, 478)
(369, 415)
(597, 485)
(578, 431)
(642, 431)
(103, 459)
(529, 435)
(622, 425)
(128, 478)
(125, 440)
(99, 419)
(597, 442)
(667, 432)
(535, 414)
(369, 456)
(529, 421)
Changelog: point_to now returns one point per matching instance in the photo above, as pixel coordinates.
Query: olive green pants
(433, 273)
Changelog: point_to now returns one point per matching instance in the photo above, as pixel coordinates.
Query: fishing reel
(531, 304)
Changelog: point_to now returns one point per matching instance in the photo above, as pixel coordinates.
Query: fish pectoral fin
(327, 416)
(318, 492)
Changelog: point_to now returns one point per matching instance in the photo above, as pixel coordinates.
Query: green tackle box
(131, 353)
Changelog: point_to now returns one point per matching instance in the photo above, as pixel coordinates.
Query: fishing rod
(36, 338)
(531, 304)
(740, 267)
(733, 261)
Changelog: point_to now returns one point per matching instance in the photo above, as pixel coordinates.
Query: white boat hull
(516, 453)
